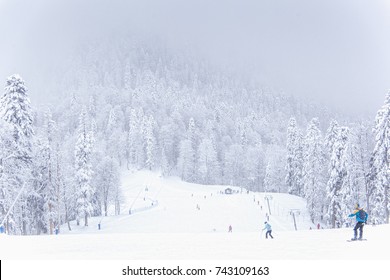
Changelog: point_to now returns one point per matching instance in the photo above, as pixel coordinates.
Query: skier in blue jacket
(361, 219)
(269, 230)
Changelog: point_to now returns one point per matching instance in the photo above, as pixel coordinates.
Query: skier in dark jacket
(361, 219)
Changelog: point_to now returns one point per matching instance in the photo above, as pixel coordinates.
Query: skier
(269, 230)
(230, 228)
(361, 219)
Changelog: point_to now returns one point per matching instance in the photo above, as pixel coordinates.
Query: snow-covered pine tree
(114, 135)
(380, 193)
(150, 143)
(313, 169)
(234, 165)
(254, 167)
(135, 139)
(299, 163)
(192, 134)
(107, 181)
(65, 197)
(338, 176)
(331, 136)
(165, 169)
(51, 195)
(291, 136)
(185, 162)
(131, 139)
(7, 191)
(268, 182)
(208, 167)
(353, 188)
(294, 159)
(36, 198)
(15, 110)
(83, 169)
(243, 134)
(43, 198)
(364, 143)
(194, 139)
(275, 172)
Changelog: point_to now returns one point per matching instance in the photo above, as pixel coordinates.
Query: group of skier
(359, 213)
(361, 219)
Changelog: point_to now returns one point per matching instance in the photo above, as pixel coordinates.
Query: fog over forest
(333, 52)
(271, 96)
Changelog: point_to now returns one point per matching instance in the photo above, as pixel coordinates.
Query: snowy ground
(166, 224)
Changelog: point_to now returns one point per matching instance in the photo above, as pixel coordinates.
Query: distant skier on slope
(269, 230)
(361, 219)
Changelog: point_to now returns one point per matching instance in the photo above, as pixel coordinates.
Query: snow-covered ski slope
(171, 206)
(171, 219)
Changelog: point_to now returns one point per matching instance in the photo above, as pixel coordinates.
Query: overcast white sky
(332, 51)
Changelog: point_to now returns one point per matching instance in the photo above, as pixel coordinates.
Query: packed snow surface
(165, 218)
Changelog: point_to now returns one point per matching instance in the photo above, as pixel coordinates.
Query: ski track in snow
(176, 229)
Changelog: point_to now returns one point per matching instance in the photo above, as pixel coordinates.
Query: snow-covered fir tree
(268, 181)
(43, 203)
(331, 136)
(150, 143)
(115, 138)
(51, 192)
(294, 159)
(255, 167)
(380, 194)
(38, 196)
(234, 164)
(135, 139)
(132, 139)
(6, 176)
(353, 190)
(363, 142)
(192, 133)
(83, 170)
(275, 170)
(185, 162)
(108, 180)
(338, 180)
(16, 112)
(64, 186)
(208, 167)
(165, 170)
(168, 144)
(313, 170)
